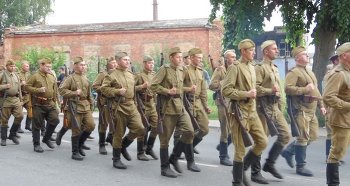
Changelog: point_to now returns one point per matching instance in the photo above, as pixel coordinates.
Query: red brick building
(105, 39)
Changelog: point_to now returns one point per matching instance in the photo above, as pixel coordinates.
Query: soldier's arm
(108, 87)
(187, 81)
(290, 85)
(65, 88)
(203, 95)
(29, 86)
(260, 75)
(138, 82)
(229, 89)
(157, 80)
(335, 84)
(2, 86)
(216, 78)
(96, 85)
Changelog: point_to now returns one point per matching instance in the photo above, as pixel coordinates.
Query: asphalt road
(20, 165)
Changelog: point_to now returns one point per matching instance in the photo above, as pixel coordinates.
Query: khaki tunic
(44, 104)
(199, 99)
(24, 76)
(12, 104)
(295, 86)
(325, 78)
(83, 103)
(215, 85)
(173, 111)
(147, 98)
(266, 77)
(239, 80)
(125, 111)
(337, 96)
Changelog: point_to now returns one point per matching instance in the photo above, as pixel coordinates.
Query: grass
(211, 103)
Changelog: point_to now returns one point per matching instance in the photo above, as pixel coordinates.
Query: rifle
(270, 123)
(72, 110)
(293, 124)
(238, 116)
(187, 106)
(159, 105)
(109, 105)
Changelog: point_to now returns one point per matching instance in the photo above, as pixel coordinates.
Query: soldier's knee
(262, 143)
(18, 120)
(188, 135)
(284, 140)
(90, 127)
(140, 131)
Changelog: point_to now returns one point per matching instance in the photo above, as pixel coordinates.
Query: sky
(102, 11)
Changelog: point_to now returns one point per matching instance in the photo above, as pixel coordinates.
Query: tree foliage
(23, 12)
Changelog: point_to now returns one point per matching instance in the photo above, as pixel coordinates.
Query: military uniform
(10, 102)
(24, 76)
(125, 113)
(174, 115)
(44, 105)
(267, 76)
(147, 97)
(304, 111)
(239, 80)
(336, 95)
(104, 112)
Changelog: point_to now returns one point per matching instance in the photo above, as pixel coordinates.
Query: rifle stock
(270, 124)
(140, 108)
(187, 106)
(72, 110)
(238, 116)
(160, 128)
(293, 124)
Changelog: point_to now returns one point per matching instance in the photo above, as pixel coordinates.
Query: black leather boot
(165, 165)
(256, 175)
(288, 154)
(83, 136)
(36, 141)
(328, 147)
(300, 156)
(3, 135)
(141, 151)
(271, 160)
(149, 148)
(333, 174)
(196, 141)
(109, 138)
(13, 132)
(223, 155)
(48, 135)
(249, 159)
(178, 149)
(237, 172)
(125, 143)
(28, 122)
(117, 163)
(102, 147)
(60, 134)
(75, 149)
(191, 165)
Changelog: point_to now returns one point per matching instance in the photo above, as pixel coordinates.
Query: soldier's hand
(8, 86)
(310, 87)
(251, 93)
(278, 94)
(23, 82)
(172, 91)
(145, 85)
(323, 111)
(42, 89)
(122, 91)
(193, 89)
(78, 92)
(208, 110)
(275, 88)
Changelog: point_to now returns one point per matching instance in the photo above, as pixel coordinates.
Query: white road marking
(202, 164)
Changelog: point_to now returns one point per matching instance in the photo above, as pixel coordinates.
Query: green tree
(23, 12)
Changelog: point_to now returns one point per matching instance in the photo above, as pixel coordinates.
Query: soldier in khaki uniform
(169, 83)
(198, 99)
(269, 93)
(104, 117)
(301, 86)
(143, 84)
(10, 102)
(76, 89)
(24, 76)
(42, 87)
(120, 86)
(215, 85)
(336, 95)
(239, 86)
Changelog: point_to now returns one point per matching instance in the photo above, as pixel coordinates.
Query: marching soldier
(336, 95)
(24, 76)
(119, 86)
(42, 87)
(143, 83)
(199, 98)
(10, 102)
(169, 84)
(76, 89)
(269, 93)
(220, 102)
(301, 86)
(103, 106)
(239, 86)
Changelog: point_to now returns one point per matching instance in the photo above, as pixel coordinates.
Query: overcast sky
(99, 11)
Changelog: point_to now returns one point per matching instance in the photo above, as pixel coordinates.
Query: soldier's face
(148, 65)
(25, 67)
(124, 62)
(302, 58)
(230, 58)
(46, 68)
(11, 68)
(176, 59)
(196, 59)
(271, 52)
(186, 60)
(80, 67)
(112, 65)
(249, 53)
